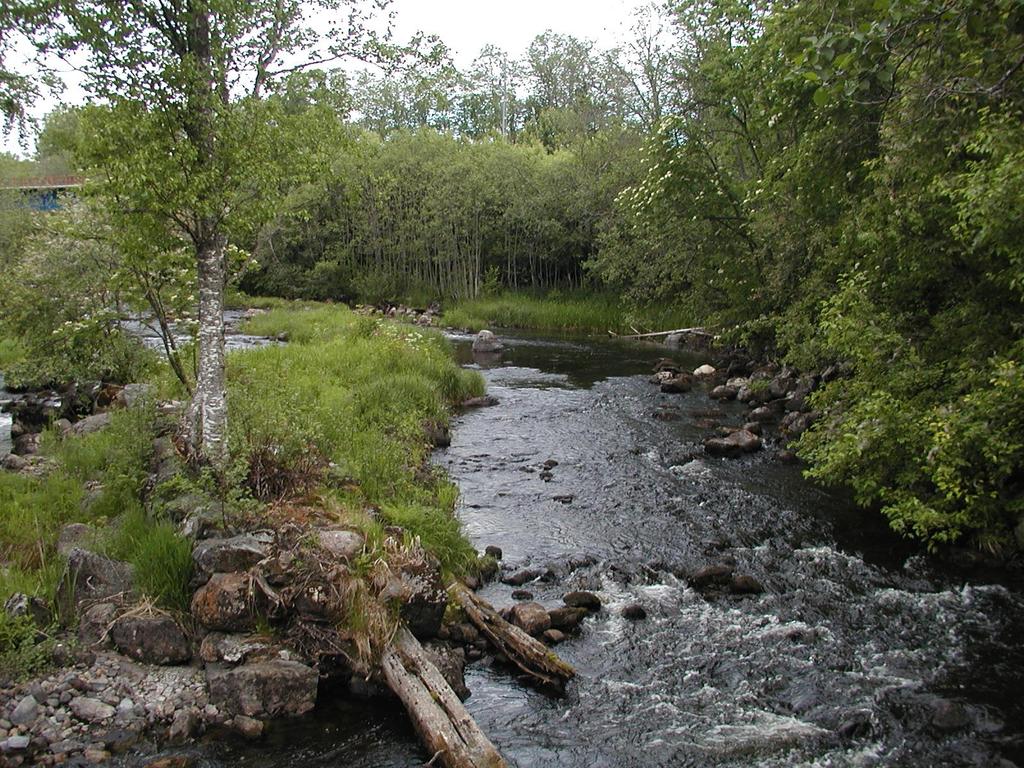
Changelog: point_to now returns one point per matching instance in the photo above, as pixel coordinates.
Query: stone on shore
(275, 688)
(225, 603)
(89, 576)
(238, 553)
(151, 639)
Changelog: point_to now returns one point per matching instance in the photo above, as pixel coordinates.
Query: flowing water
(860, 652)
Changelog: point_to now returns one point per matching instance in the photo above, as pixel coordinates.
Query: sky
(466, 26)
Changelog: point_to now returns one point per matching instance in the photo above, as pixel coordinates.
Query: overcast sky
(467, 25)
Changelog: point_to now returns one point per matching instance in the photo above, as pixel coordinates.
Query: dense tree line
(824, 184)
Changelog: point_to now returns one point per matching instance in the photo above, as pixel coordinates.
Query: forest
(822, 185)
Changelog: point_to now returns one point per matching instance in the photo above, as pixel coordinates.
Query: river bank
(335, 536)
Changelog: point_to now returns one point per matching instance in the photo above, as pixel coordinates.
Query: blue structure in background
(44, 193)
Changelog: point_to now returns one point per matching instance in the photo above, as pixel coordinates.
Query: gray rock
(225, 603)
(723, 392)
(73, 536)
(487, 342)
(582, 599)
(151, 639)
(20, 604)
(132, 395)
(26, 711)
(795, 423)
(184, 725)
(420, 594)
(342, 544)
(27, 444)
(451, 663)
(91, 710)
(15, 743)
(762, 414)
(266, 689)
(530, 617)
(89, 576)
(567, 619)
(12, 462)
(797, 400)
(95, 622)
(229, 649)
(90, 424)
(238, 553)
(704, 371)
(734, 445)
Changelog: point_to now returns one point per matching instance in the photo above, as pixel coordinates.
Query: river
(860, 652)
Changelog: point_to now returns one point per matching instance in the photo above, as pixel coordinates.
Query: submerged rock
(634, 612)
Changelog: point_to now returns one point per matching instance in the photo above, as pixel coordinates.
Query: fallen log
(439, 717)
(530, 655)
(655, 334)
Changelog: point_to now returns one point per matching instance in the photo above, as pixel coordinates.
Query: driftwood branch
(531, 656)
(439, 717)
(655, 334)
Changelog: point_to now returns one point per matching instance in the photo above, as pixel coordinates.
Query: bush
(21, 652)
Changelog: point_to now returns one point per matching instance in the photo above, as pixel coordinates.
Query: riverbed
(861, 651)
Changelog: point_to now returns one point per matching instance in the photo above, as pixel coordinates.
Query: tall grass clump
(560, 312)
(344, 405)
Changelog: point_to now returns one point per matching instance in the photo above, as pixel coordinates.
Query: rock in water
(582, 599)
(530, 617)
(734, 445)
(268, 689)
(487, 342)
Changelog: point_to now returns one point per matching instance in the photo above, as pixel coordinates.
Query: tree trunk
(208, 413)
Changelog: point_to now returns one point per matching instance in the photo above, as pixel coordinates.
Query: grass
(113, 464)
(356, 392)
(560, 312)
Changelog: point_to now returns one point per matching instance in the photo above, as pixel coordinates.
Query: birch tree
(186, 77)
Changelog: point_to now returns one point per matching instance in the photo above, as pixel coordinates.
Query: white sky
(467, 25)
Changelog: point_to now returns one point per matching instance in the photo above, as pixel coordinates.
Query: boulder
(26, 711)
(342, 544)
(797, 400)
(72, 536)
(131, 395)
(27, 444)
(582, 599)
(567, 619)
(677, 384)
(762, 414)
(553, 636)
(95, 622)
(89, 576)
(12, 462)
(238, 553)
(530, 617)
(795, 423)
(451, 663)
(634, 612)
(230, 649)
(151, 639)
(276, 688)
(736, 444)
(420, 594)
(486, 342)
(225, 603)
(746, 585)
(90, 424)
(723, 392)
(704, 371)
(20, 604)
(91, 710)
(718, 575)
